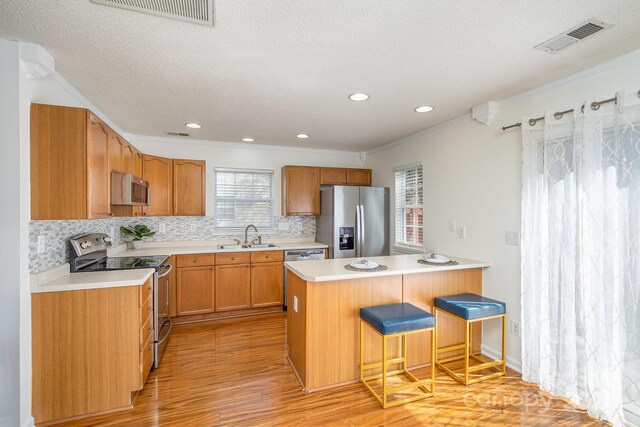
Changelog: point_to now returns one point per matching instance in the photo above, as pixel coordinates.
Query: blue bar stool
(396, 320)
(471, 308)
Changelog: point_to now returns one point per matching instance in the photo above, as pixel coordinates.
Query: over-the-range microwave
(129, 190)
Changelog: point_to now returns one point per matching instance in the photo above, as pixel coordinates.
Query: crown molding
(226, 144)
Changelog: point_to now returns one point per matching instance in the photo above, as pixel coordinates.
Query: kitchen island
(324, 301)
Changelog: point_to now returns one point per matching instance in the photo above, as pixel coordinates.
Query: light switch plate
(462, 232)
(295, 303)
(162, 228)
(515, 328)
(513, 238)
(192, 227)
(283, 226)
(42, 244)
(452, 225)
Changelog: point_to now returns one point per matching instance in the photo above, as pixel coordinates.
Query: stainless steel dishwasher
(299, 255)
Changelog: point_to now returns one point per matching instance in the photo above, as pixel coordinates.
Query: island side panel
(297, 326)
(333, 327)
(420, 290)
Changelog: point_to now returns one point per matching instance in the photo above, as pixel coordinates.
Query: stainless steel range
(89, 254)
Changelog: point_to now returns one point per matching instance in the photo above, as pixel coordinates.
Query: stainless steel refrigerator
(354, 221)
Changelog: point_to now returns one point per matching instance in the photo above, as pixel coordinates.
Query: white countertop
(60, 278)
(333, 269)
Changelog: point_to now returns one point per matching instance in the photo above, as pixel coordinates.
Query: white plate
(437, 259)
(364, 265)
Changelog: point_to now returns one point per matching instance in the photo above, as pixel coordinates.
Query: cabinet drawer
(146, 310)
(146, 290)
(195, 260)
(233, 258)
(146, 331)
(146, 360)
(266, 256)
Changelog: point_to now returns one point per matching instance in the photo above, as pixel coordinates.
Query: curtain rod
(558, 114)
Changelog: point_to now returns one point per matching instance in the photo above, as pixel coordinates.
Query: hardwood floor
(235, 373)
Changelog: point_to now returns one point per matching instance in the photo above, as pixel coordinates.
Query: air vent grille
(573, 35)
(176, 133)
(194, 11)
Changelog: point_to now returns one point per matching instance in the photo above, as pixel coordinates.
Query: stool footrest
(451, 348)
(378, 376)
(485, 365)
(379, 364)
(413, 384)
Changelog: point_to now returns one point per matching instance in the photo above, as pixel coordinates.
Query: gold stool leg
(467, 327)
(433, 359)
(384, 371)
(361, 349)
(504, 344)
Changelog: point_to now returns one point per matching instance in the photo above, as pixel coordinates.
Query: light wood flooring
(235, 373)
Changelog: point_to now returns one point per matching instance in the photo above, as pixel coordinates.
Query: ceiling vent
(574, 35)
(176, 133)
(194, 11)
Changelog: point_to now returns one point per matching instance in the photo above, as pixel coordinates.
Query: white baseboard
(632, 416)
(514, 364)
(29, 422)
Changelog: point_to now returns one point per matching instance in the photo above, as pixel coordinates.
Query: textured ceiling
(272, 69)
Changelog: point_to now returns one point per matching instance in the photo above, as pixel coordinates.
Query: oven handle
(162, 274)
(166, 337)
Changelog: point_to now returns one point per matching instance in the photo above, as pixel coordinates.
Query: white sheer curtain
(581, 256)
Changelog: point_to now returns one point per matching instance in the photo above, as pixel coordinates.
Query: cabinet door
(359, 177)
(189, 187)
(115, 153)
(136, 163)
(333, 176)
(301, 190)
(233, 287)
(159, 172)
(98, 176)
(267, 284)
(195, 290)
(127, 158)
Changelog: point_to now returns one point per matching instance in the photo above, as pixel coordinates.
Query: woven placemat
(368, 270)
(425, 262)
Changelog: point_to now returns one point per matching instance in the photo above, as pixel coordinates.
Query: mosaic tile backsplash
(57, 233)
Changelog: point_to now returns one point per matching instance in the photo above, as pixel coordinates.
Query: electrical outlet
(162, 228)
(295, 303)
(112, 232)
(42, 244)
(283, 226)
(452, 225)
(462, 232)
(515, 328)
(192, 227)
(513, 238)
(299, 226)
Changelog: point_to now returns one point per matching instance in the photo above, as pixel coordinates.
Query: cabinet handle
(195, 260)
(233, 258)
(149, 288)
(150, 308)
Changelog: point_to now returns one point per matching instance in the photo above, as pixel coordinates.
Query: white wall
(472, 174)
(238, 155)
(10, 232)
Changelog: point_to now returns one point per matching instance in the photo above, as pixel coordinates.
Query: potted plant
(136, 233)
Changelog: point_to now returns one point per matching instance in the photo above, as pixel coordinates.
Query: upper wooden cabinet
(359, 177)
(189, 187)
(116, 148)
(158, 171)
(335, 176)
(300, 190)
(69, 164)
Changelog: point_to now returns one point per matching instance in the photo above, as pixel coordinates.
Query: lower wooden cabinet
(195, 290)
(91, 349)
(267, 284)
(233, 287)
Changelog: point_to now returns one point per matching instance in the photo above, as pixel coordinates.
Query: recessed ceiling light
(302, 136)
(193, 125)
(424, 109)
(358, 96)
(247, 139)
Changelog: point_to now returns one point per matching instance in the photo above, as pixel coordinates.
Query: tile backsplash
(57, 233)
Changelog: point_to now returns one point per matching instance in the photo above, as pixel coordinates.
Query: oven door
(162, 322)
(139, 191)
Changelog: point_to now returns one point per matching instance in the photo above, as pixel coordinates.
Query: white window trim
(217, 230)
(400, 246)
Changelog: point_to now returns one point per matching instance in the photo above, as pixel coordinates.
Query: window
(243, 197)
(409, 205)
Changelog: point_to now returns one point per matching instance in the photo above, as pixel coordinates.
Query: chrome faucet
(246, 233)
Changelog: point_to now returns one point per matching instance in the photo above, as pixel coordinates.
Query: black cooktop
(127, 263)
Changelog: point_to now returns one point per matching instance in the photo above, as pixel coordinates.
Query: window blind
(243, 197)
(409, 212)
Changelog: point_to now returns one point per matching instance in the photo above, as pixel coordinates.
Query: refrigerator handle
(357, 236)
(362, 236)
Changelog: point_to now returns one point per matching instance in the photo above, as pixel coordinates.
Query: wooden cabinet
(195, 290)
(333, 176)
(189, 187)
(92, 349)
(360, 177)
(116, 148)
(267, 284)
(69, 178)
(158, 171)
(300, 190)
(127, 158)
(233, 287)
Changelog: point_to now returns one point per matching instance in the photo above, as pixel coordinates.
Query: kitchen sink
(234, 246)
(260, 246)
(263, 245)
